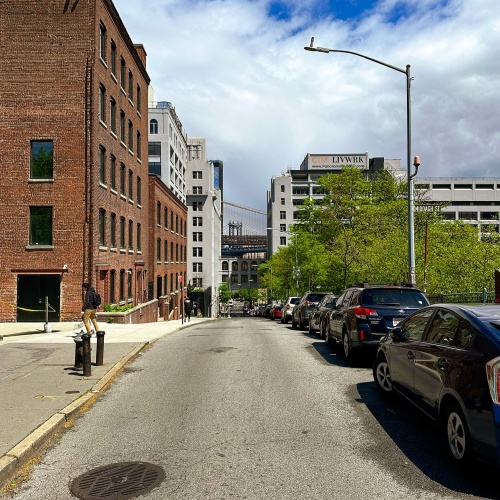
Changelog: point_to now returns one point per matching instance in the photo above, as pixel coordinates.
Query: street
(245, 407)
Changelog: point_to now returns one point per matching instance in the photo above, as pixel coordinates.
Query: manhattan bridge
(244, 231)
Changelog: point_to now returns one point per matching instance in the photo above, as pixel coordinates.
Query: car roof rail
(368, 284)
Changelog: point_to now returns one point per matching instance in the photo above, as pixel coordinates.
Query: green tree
(359, 232)
(224, 293)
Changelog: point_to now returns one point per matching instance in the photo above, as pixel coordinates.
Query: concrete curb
(15, 459)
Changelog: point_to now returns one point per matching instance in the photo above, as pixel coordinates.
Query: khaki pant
(89, 314)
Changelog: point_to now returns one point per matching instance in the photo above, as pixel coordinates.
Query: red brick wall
(49, 90)
(174, 265)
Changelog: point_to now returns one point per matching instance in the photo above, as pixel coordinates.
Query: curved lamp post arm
(325, 50)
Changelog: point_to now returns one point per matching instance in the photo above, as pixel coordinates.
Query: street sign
(179, 279)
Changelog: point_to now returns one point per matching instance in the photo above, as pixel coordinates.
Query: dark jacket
(87, 303)
(188, 306)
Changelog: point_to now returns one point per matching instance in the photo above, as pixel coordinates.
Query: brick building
(74, 193)
(167, 247)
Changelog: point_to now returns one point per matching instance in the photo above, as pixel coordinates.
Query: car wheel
(346, 347)
(327, 335)
(457, 435)
(294, 323)
(382, 375)
(312, 330)
(285, 320)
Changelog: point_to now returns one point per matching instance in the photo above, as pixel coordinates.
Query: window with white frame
(102, 103)
(113, 58)
(112, 115)
(153, 126)
(123, 74)
(102, 165)
(103, 41)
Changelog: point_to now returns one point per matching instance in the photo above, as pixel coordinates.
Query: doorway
(31, 292)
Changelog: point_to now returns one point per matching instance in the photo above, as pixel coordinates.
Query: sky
(237, 74)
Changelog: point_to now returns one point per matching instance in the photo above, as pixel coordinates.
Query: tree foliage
(224, 293)
(359, 232)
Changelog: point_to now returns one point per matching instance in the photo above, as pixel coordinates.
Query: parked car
(319, 316)
(364, 313)
(286, 313)
(275, 312)
(303, 308)
(267, 310)
(445, 359)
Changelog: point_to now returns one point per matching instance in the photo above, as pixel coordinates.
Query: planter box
(142, 313)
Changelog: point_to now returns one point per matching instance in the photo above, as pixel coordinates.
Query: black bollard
(99, 357)
(87, 370)
(78, 352)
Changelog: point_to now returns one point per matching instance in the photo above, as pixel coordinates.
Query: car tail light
(361, 335)
(493, 376)
(363, 312)
(309, 303)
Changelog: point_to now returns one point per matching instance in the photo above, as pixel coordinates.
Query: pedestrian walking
(90, 304)
(188, 307)
(195, 309)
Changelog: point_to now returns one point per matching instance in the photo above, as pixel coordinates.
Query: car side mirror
(397, 334)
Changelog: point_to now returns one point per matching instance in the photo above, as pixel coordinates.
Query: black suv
(303, 308)
(364, 313)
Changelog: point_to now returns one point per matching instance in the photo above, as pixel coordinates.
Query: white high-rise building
(204, 182)
(290, 189)
(167, 146)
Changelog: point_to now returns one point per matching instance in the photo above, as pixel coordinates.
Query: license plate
(396, 321)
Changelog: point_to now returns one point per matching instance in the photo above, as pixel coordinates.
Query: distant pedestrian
(195, 308)
(90, 305)
(188, 307)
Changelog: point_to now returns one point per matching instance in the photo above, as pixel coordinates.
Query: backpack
(96, 300)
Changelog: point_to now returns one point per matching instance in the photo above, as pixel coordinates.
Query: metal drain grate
(118, 481)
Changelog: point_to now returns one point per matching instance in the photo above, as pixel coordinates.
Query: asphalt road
(247, 408)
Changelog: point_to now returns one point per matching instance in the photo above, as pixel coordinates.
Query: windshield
(395, 297)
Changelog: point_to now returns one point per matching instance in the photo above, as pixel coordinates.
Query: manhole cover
(118, 481)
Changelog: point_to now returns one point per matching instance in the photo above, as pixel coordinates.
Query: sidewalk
(40, 391)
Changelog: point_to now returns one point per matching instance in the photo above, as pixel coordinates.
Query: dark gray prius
(445, 359)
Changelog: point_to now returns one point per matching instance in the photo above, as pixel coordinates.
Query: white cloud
(244, 82)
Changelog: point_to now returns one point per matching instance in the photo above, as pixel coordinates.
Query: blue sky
(238, 75)
(339, 9)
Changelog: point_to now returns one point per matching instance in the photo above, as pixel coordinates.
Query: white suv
(286, 312)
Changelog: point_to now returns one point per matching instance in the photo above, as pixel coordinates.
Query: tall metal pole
(411, 231)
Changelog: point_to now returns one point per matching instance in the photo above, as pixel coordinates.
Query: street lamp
(411, 237)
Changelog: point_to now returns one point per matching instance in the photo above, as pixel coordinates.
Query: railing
(483, 297)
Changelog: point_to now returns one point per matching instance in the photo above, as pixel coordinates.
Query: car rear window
(394, 297)
(294, 300)
(315, 297)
